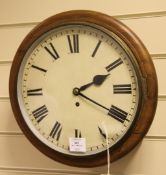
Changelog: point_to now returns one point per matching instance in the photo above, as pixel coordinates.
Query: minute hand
(76, 92)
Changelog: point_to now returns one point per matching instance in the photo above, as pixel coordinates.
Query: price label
(77, 144)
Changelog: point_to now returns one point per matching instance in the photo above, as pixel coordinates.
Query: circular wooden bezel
(148, 80)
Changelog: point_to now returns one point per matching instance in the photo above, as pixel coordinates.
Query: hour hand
(82, 88)
(97, 80)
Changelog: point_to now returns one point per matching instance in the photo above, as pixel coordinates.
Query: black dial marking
(96, 48)
(40, 113)
(122, 89)
(77, 133)
(56, 131)
(114, 64)
(52, 51)
(101, 132)
(118, 114)
(74, 43)
(39, 68)
(34, 92)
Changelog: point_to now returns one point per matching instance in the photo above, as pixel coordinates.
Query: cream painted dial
(75, 81)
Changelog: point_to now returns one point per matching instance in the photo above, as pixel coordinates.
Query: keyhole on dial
(77, 104)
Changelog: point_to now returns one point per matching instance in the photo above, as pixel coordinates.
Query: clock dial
(78, 74)
(80, 80)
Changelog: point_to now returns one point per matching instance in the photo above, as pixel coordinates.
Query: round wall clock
(79, 78)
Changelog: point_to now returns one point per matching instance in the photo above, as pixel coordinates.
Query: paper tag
(77, 144)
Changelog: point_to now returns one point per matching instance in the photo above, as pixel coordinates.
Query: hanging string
(108, 151)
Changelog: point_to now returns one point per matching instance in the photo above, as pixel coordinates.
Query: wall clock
(78, 77)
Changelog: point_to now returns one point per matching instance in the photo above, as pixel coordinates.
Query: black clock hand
(76, 91)
(101, 132)
(97, 80)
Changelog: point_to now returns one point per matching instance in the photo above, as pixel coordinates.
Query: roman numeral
(39, 68)
(77, 133)
(52, 51)
(40, 113)
(56, 131)
(73, 43)
(96, 48)
(122, 89)
(114, 64)
(34, 92)
(118, 114)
